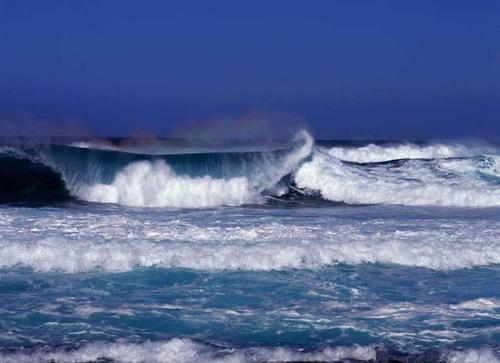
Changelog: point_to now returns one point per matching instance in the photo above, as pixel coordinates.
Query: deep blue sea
(177, 251)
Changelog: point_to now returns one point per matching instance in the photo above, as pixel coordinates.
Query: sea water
(310, 251)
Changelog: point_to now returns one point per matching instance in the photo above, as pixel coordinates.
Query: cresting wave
(73, 257)
(186, 351)
(372, 153)
(123, 242)
(464, 182)
(405, 174)
(189, 351)
(155, 184)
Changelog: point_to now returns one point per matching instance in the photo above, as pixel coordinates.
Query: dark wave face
(25, 180)
(298, 173)
(148, 180)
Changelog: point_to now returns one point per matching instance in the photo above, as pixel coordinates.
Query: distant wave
(372, 153)
(159, 147)
(405, 174)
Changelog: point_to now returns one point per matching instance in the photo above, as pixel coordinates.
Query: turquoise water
(308, 252)
(249, 277)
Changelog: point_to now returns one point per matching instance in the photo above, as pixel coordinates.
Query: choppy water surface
(304, 253)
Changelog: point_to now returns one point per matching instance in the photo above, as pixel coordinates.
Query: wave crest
(372, 153)
(187, 351)
(249, 249)
(463, 183)
(406, 174)
(154, 184)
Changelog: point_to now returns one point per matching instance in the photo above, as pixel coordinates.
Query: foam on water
(66, 256)
(154, 184)
(375, 296)
(378, 153)
(189, 351)
(405, 174)
(121, 242)
(480, 304)
(472, 356)
(415, 183)
(186, 351)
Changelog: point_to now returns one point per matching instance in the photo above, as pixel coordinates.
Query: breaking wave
(154, 184)
(119, 244)
(186, 351)
(183, 350)
(80, 256)
(405, 174)
(464, 182)
(372, 153)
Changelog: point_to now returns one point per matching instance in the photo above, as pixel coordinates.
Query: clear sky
(345, 68)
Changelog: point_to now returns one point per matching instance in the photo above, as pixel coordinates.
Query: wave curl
(404, 174)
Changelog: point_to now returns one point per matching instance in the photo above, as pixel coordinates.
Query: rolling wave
(404, 174)
(60, 254)
(24, 179)
(465, 182)
(185, 350)
(373, 153)
(120, 241)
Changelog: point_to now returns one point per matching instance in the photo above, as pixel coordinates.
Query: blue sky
(345, 69)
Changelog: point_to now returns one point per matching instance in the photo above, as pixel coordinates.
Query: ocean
(245, 251)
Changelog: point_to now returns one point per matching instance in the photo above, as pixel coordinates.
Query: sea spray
(452, 175)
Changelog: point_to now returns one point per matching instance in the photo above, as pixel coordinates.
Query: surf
(300, 172)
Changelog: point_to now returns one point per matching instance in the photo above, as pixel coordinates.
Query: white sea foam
(485, 355)
(154, 184)
(186, 351)
(251, 248)
(415, 183)
(118, 240)
(379, 153)
(446, 314)
(469, 182)
(479, 304)
(291, 161)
